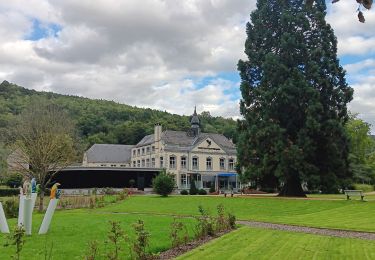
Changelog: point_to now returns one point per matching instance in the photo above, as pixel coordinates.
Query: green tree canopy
(362, 150)
(294, 97)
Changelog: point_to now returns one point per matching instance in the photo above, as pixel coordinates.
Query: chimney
(157, 132)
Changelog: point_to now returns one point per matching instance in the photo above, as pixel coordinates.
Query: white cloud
(154, 52)
(135, 54)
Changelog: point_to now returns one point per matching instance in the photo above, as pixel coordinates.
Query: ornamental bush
(202, 192)
(184, 192)
(163, 184)
(193, 189)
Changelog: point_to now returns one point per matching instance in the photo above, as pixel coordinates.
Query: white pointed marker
(33, 198)
(20, 211)
(48, 216)
(4, 228)
(28, 215)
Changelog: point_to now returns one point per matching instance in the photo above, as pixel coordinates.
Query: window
(148, 163)
(222, 164)
(231, 164)
(143, 151)
(183, 162)
(161, 162)
(103, 165)
(153, 148)
(134, 151)
(138, 163)
(148, 149)
(195, 163)
(138, 151)
(172, 162)
(143, 163)
(183, 180)
(209, 163)
(153, 162)
(122, 165)
(134, 164)
(113, 165)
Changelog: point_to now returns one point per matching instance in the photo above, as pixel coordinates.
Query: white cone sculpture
(28, 215)
(55, 197)
(4, 228)
(20, 209)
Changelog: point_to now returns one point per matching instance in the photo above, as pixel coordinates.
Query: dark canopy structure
(101, 177)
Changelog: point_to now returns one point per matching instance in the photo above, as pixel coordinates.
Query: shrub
(11, 207)
(131, 183)
(364, 187)
(179, 234)
(221, 221)
(16, 238)
(123, 194)
(14, 180)
(141, 242)
(232, 221)
(115, 235)
(184, 192)
(193, 188)
(163, 184)
(9, 192)
(202, 192)
(205, 225)
(212, 188)
(108, 191)
(99, 201)
(92, 251)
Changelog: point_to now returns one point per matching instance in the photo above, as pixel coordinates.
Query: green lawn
(71, 230)
(341, 214)
(254, 243)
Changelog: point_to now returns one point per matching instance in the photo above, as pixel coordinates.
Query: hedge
(9, 192)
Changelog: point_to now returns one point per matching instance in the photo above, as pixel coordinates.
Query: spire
(195, 122)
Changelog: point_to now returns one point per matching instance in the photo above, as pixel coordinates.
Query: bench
(349, 193)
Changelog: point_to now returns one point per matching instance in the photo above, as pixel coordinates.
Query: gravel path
(284, 227)
(310, 230)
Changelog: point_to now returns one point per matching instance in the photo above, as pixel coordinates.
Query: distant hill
(101, 121)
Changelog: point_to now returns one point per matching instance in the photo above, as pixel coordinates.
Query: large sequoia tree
(294, 97)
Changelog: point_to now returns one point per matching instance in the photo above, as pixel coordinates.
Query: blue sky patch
(42, 30)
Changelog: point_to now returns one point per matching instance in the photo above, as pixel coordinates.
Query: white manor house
(207, 158)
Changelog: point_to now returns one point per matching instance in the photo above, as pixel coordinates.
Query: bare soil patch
(177, 251)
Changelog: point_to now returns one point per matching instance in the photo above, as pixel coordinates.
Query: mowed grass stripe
(351, 215)
(254, 243)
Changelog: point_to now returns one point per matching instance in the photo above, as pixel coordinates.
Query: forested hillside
(101, 121)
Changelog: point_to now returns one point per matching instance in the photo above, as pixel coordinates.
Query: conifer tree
(294, 100)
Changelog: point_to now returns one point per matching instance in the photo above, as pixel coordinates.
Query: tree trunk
(41, 200)
(292, 187)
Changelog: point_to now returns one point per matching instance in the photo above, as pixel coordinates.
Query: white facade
(208, 159)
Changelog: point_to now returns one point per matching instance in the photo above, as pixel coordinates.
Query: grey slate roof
(109, 153)
(179, 140)
(148, 139)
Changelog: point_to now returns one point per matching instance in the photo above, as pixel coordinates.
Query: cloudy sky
(164, 54)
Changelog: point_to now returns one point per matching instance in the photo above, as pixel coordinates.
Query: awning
(226, 174)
